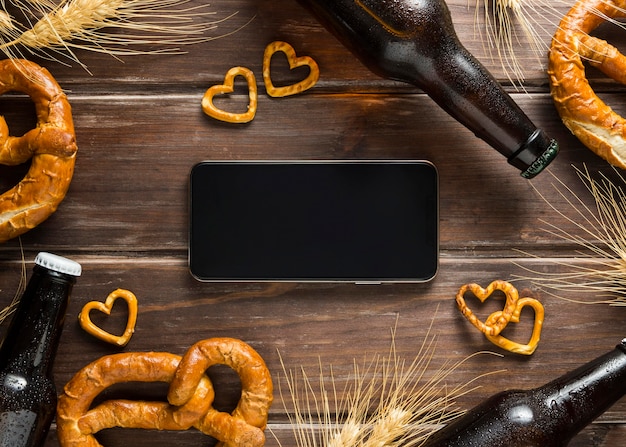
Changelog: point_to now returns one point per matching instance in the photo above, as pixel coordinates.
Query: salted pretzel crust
(51, 147)
(589, 118)
(190, 395)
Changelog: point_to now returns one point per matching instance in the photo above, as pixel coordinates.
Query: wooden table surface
(140, 129)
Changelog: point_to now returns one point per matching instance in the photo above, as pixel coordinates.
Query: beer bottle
(28, 395)
(548, 416)
(414, 41)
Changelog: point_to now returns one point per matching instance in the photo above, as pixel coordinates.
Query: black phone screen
(361, 221)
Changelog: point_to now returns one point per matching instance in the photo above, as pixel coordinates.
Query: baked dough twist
(190, 395)
(591, 120)
(497, 321)
(51, 145)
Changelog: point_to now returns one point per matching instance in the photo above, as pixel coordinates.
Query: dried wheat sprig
(8, 310)
(88, 25)
(388, 403)
(601, 236)
(505, 26)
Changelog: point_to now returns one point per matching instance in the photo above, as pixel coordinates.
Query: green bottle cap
(542, 161)
(535, 154)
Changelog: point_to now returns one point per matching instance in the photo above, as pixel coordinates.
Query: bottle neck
(548, 416)
(414, 41)
(579, 397)
(33, 335)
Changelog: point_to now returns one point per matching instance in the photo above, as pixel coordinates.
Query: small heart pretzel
(512, 346)
(189, 401)
(498, 325)
(497, 321)
(228, 87)
(85, 320)
(294, 62)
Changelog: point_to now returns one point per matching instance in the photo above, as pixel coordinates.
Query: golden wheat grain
(6, 22)
(116, 27)
(71, 20)
(391, 424)
(388, 403)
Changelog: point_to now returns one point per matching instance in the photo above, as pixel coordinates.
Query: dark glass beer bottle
(414, 41)
(548, 416)
(28, 395)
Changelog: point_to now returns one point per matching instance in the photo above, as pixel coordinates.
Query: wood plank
(130, 185)
(140, 129)
(325, 324)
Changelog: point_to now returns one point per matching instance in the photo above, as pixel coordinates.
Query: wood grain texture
(140, 129)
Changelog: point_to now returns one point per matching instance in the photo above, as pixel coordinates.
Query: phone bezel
(399, 280)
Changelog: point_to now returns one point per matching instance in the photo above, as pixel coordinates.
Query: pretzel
(518, 348)
(51, 145)
(497, 325)
(592, 121)
(497, 321)
(228, 87)
(294, 62)
(190, 395)
(88, 326)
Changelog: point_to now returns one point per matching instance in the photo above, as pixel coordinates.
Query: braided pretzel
(592, 121)
(190, 395)
(51, 145)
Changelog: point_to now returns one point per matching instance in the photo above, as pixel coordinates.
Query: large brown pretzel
(594, 123)
(51, 145)
(190, 395)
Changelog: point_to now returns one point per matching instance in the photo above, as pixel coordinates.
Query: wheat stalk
(88, 25)
(505, 26)
(601, 236)
(388, 403)
(8, 310)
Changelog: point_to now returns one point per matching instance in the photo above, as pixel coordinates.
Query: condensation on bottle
(28, 395)
(414, 41)
(548, 416)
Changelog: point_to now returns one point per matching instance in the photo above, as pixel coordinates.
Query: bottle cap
(58, 264)
(537, 153)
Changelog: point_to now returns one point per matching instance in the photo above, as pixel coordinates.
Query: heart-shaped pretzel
(518, 348)
(497, 325)
(228, 87)
(190, 395)
(497, 321)
(591, 120)
(294, 62)
(85, 322)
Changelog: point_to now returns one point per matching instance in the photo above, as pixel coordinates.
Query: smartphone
(327, 221)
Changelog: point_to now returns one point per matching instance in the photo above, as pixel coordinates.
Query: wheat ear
(388, 403)
(88, 25)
